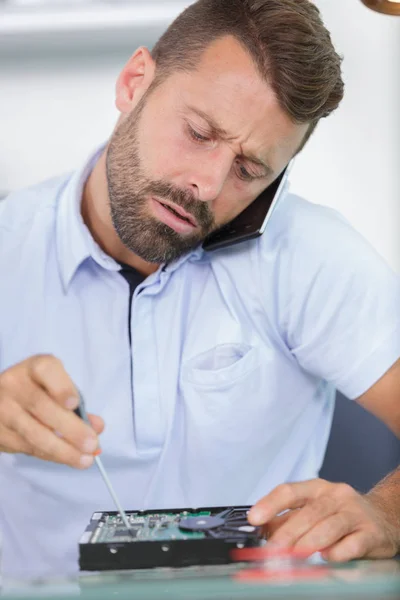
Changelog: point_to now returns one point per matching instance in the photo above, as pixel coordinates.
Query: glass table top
(358, 579)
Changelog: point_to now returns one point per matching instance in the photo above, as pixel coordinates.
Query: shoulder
(304, 225)
(311, 237)
(20, 209)
(298, 232)
(315, 260)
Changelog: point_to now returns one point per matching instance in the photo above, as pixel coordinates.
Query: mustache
(198, 209)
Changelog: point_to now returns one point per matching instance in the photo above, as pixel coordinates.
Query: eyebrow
(224, 134)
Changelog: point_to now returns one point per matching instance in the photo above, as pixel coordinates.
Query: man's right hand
(37, 399)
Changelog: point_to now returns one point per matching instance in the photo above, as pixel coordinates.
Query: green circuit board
(151, 527)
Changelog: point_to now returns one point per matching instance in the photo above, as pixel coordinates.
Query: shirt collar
(75, 243)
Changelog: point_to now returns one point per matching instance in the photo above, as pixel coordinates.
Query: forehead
(227, 85)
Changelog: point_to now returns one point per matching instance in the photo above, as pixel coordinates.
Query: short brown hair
(287, 40)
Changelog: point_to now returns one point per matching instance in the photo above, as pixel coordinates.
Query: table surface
(358, 579)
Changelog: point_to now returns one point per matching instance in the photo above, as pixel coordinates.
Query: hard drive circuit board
(161, 527)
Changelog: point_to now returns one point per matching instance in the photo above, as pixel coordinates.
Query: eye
(244, 174)
(196, 136)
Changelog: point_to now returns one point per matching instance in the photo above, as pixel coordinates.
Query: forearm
(386, 496)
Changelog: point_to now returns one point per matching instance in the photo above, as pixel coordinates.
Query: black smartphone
(252, 222)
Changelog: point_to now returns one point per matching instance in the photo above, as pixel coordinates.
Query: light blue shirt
(235, 357)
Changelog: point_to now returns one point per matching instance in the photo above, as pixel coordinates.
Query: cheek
(164, 152)
(175, 157)
(235, 199)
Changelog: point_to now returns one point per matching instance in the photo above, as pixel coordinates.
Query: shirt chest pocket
(224, 392)
(221, 367)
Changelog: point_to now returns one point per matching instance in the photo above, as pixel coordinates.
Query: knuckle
(8, 380)
(344, 490)
(285, 490)
(41, 363)
(64, 392)
(324, 486)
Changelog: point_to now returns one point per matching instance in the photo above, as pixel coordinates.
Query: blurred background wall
(58, 68)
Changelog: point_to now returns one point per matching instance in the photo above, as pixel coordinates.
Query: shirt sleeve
(339, 301)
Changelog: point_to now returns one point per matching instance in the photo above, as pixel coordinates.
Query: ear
(134, 79)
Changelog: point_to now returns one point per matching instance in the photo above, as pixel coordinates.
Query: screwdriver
(81, 412)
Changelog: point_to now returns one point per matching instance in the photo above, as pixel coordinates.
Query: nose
(208, 175)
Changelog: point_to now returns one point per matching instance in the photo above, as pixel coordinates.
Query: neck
(96, 215)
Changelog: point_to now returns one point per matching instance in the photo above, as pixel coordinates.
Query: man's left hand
(331, 518)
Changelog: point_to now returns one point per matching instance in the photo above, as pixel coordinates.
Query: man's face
(195, 152)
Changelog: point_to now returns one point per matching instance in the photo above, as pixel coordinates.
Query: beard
(130, 191)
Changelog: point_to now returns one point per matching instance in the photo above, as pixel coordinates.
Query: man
(213, 372)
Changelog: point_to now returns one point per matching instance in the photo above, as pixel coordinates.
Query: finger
(43, 442)
(286, 496)
(97, 423)
(366, 542)
(277, 522)
(67, 424)
(355, 545)
(49, 373)
(12, 442)
(304, 520)
(328, 532)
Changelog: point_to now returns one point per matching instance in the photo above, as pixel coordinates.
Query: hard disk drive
(167, 538)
